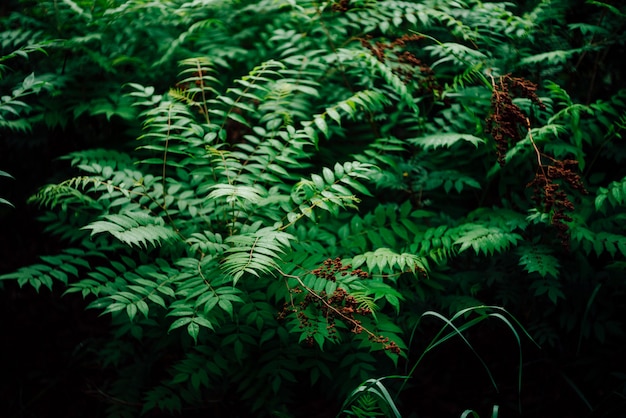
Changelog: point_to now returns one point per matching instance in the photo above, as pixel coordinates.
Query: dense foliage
(279, 204)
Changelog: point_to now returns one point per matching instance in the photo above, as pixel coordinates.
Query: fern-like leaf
(614, 194)
(371, 397)
(387, 261)
(329, 191)
(538, 259)
(255, 253)
(486, 240)
(445, 140)
(134, 229)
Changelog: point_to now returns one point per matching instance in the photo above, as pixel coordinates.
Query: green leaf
(113, 307)
(179, 323)
(238, 118)
(131, 310)
(193, 329)
(334, 115)
(156, 299)
(5, 174)
(320, 122)
(142, 306)
(445, 140)
(203, 322)
(538, 259)
(486, 240)
(234, 193)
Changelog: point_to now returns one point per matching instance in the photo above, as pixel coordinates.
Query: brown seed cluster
(341, 6)
(506, 124)
(403, 62)
(387, 344)
(548, 193)
(339, 305)
(331, 267)
(507, 121)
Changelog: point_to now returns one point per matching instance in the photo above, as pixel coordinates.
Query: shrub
(322, 174)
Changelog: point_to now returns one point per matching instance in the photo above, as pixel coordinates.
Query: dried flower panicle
(403, 62)
(548, 193)
(507, 122)
(386, 343)
(341, 6)
(339, 305)
(331, 267)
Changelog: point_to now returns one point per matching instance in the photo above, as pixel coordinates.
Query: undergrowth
(317, 178)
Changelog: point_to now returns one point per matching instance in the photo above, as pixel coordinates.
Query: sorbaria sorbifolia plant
(321, 175)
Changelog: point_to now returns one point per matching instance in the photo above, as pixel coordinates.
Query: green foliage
(14, 110)
(134, 228)
(487, 240)
(284, 189)
(370, 399)
(470, 413)
(614, 194)
(4, 201)
(537, 259)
